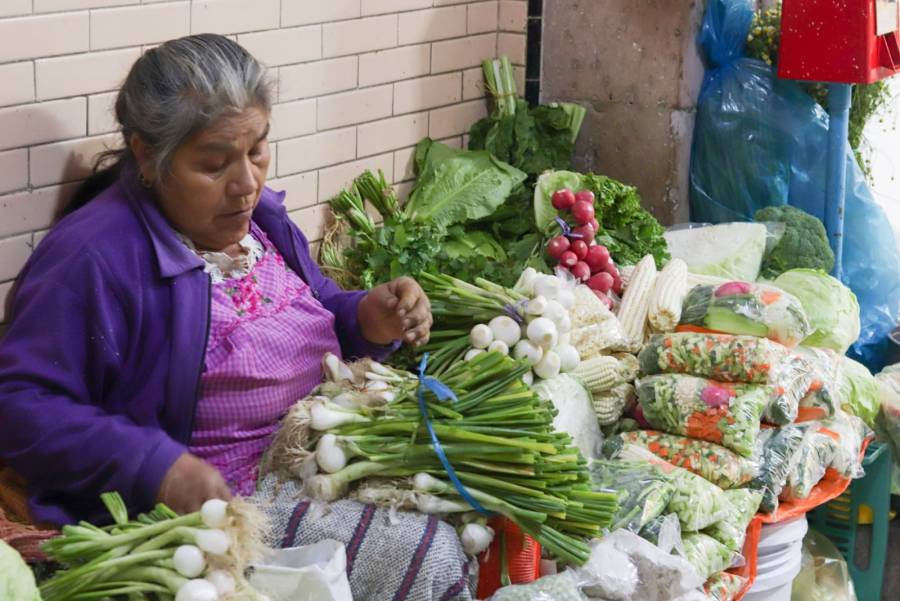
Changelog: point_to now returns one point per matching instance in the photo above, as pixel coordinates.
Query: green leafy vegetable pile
(803, 244)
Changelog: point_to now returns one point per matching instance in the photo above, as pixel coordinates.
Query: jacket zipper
(200, 371)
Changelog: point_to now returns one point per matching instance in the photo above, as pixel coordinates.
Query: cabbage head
(16, 579)
(831, 307)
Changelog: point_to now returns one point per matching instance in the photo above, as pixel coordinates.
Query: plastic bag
(733, 251)
(723, 413)
(777, 453)
(724, 586)
(823, 575)
(724, 358)
(644, 491)
(889, 416)
(310, 572)
(761, 141)
(664, 532)
(847, 433)
(557, 587)
(724, 468)
(731, 531)
(707, 554)
(595, 329)
(822, 399)
(697, 502)
(747, 309)
(660, 576)
(575, 412)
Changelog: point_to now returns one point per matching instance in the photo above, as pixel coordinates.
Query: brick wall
(359, 83)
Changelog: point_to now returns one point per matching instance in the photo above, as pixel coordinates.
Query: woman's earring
(143, 181)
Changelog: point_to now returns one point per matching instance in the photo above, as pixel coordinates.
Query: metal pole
(836, 183)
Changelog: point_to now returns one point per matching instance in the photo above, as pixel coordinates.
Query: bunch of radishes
(576, 250)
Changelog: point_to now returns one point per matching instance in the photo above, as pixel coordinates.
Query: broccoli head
(804, 243)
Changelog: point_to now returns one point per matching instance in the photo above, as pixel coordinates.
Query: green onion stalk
(497, 435)
(378, 192)
(350, 205)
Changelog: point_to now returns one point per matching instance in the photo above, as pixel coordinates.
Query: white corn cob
(611, 404)
(599, 373)
(629, 366)
(636, 301)
(625, 272)
(668, 296)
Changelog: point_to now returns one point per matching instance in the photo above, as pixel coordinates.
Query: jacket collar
(172, 256)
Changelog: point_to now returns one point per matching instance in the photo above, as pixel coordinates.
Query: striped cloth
(404, 557)
(267, 338)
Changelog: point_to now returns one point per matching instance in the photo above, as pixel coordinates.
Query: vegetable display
(803, 242)
(627, 230)
(732, 251)
(726, 414)
(706, 554)
(713, 462)
(366, 422)
(746, 309)
(644, 491)
(831, 307)
(200, 556)
(731, 531)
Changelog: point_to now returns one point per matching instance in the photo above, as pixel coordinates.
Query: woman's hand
(398, 310)
(189, 483)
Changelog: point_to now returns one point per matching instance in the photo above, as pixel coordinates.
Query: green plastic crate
(838, 519)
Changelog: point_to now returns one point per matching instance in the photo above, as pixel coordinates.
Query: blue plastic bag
(761, 141)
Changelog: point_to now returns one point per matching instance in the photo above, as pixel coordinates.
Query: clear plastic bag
(777, 451)
(724, 468)
(644, 491)
(889, 416)
(822, 398)
(760, 140)
(722, 413)
(742, 308)
(665, 533)
(706, 554)
(816, 454)
(823, 575)
(724, 586)
(595, 329)
(847, 433)
(564, 586)
(732, 530)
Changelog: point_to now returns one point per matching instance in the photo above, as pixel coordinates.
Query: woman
(160, 331)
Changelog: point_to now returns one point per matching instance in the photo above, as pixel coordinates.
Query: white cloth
(222, 266)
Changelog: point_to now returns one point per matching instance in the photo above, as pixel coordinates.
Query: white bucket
(776, 537)
(775, 585)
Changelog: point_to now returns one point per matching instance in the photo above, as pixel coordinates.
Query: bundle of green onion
(365, 423)
(160, 555)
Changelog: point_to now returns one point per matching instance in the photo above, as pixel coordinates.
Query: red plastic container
(523, 558)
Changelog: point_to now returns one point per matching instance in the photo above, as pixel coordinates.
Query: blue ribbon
(567, 229)
(442, 392)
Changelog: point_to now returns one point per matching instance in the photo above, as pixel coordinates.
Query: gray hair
(183, 86)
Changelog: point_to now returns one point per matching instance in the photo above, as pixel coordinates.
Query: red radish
(602, 282)
(604, 299)
(733, 289)
(595, 224)
(585, 195)
(583, 212)
(563, 200)
(617, 285)
(568, 259)
(586, 232)
(597, 258)
(581, 271)
(580, 248)
(612, 270)
(557, 246)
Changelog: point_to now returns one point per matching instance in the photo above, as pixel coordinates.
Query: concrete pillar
(634, 65)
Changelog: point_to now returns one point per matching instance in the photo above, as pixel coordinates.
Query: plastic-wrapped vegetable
(644, 491)
(707, 554)
(748, 309)
(822, 398)
(732, 530)
(722, 467)
(848, 433)
(595, 329)
(816, 454)
(664, 532)
(776, 452)
(718, 412)
(557, 587)
(725, 358)
(889, 416)
(724, 586)
(698, 502)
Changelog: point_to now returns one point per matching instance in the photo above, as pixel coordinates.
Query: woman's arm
(63, 350)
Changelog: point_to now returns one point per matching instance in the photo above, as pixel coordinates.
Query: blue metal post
(838, 125)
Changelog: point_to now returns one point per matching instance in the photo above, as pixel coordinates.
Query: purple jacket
(100, 367)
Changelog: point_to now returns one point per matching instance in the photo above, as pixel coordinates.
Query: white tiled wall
(360, 82)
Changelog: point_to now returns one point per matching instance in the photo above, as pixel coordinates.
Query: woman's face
(216, 178)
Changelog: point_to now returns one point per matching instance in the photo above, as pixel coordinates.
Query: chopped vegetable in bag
(707, 554)
(719, 412)
(557, 587)
(697, 502)
(777, 453)
(664, 532)
(748, 309)
(717, 464)
(724, 586)
(720, 357)
(732, 530)
(822, 398)
(644, 491)
(848, 433)
(817, 452)
(889, 416)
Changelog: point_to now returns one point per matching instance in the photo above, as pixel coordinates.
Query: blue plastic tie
(567, 229)
(442, 392)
